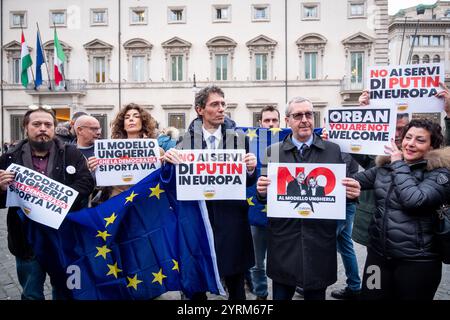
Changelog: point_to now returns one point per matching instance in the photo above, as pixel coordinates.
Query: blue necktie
(302, 150)
(212, 140)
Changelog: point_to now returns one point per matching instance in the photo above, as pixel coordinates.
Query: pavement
(10, 288)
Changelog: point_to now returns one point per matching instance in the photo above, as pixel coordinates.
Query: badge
(70, 169)
(442, 178)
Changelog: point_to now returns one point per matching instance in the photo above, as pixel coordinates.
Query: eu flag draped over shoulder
(259, 140)
(137, 245)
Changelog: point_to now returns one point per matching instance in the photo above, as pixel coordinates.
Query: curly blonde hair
(148, 123)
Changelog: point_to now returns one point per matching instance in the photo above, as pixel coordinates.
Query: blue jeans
(345, 248)
(31, 277)
(259, 278)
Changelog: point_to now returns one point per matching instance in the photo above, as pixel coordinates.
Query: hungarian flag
(25, 62)
(59, 59)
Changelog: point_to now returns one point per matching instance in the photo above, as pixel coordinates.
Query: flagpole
(62, 70)
(32, 73)
(45, 58)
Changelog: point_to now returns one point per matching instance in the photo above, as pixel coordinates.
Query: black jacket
(229, 218)
(407, 197)
(81, 181)
(302, 251)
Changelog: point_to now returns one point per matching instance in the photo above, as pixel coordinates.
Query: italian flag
(25, 62)
(59, 59)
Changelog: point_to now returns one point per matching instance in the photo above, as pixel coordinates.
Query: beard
(41, 146)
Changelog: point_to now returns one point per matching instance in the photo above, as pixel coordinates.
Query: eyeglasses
(300, 115)
(217, 104)
(95, 129)
(44, 106)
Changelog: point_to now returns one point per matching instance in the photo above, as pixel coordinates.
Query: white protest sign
(43, 200)
(409, 88)
(125, 161)
(361, 130)
(211, 175)
(306, 190)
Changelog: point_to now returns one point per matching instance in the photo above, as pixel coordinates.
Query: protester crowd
(393, 199)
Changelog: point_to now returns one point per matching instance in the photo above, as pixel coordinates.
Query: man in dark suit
(314, 189)
(297, 187)
(302, 252)
(229, 218)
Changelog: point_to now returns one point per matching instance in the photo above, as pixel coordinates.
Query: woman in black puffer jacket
(402, 260)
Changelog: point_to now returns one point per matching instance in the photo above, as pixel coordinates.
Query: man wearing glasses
(302, 251)
(87, 129)
(44, 153)
(229, 218)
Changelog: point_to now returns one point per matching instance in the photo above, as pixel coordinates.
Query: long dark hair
(148, 123)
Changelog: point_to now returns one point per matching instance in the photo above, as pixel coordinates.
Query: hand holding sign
(250, 161)
(393, 151)
(352, 188)
(171, 156)
(364, 98)
(92, 163)
(262, 185)
(6, 178)
(445, 94)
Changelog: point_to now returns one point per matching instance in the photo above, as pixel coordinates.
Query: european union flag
(259, 140)
(137, 245)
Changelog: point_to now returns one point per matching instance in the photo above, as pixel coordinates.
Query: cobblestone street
(10, 288)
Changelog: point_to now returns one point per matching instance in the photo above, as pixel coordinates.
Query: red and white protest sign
(125, 161)
(42, 199)
(410, 88)
(306, 190)
(361, 130)
(211, 175)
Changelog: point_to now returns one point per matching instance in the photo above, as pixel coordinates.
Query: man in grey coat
(302, 251)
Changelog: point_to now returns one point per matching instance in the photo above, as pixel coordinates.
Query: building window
(256, 118)
(103, 120)
(447, 14)
(425, 41)
(16, 70)
(138, 66)
(317, 119)
(436, 41)
(261, 66)
(58, 18)
(357, 69)
(18, 19)
(260, 13)
(310, 65)
(177, 120)
(138, 16)
(99, 17)
(415, 59)
(16, 127)
(176, 67)
(426, 59)
(221, 67)
(436, 58)
(356, 9)
(221, 13)
(310, 11)
(416, 40)
(99, 69)
(176, 15)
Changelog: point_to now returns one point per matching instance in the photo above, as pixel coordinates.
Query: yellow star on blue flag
(130, 197)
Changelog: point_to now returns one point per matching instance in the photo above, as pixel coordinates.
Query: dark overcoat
(79, 178)
(302, 252)
(229, 218)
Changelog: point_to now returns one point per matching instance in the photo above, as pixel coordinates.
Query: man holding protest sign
(302, 251)
(47, 155)
(228, 218)
(88, 130)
